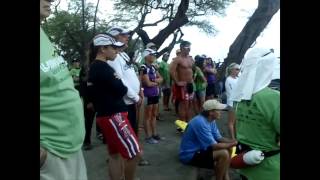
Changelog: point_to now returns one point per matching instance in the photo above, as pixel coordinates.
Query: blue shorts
(200, 94)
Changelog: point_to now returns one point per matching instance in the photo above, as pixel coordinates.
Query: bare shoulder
(190, 58)
(176, 60)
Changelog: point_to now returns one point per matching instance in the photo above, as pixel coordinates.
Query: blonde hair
(229, 68)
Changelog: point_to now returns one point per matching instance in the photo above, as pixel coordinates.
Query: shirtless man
(181, 73)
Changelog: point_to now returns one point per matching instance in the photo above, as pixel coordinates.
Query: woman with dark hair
(150, 82)
(200, 83)
(210, 72)
(89, 112)
(87, 107)
(106, 92)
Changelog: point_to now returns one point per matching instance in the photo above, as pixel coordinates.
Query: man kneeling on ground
(202, 144)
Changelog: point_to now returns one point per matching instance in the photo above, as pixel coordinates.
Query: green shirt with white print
(61, 111)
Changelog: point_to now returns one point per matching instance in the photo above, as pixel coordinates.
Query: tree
(73, 29)
(175, 13)
(255, 25)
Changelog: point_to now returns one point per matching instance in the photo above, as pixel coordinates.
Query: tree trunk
(95, 19)
(82, 53)
(256, 24)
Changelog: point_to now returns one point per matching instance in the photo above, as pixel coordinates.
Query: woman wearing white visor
(257, 109)
(106, 91)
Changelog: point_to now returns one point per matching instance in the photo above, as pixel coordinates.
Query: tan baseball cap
(213, 104)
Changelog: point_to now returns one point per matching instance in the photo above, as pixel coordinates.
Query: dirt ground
(163, 157)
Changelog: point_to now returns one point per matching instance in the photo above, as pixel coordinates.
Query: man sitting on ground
(202, 144)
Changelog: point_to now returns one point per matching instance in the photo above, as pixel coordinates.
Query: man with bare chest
(181, 73)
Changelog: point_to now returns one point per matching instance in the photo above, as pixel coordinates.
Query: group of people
(113, 87)
(110, 90)
(253, 105)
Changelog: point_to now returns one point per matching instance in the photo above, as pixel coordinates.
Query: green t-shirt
(164, 72)
(75, 72)
(258, 125)
(61, 112)
(200, 84)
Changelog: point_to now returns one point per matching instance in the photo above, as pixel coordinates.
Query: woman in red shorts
(106, 91)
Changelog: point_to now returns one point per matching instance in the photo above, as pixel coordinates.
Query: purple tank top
(211, 78)
(151, 71)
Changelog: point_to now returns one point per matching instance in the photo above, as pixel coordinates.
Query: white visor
(148, 52)
(105, 40)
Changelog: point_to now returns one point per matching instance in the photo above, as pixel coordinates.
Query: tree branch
(155, 23)
(171, 12)
(172, 44)
(144, 36)
(181, 34)
(95, 19)
(178, 21)
(56, 6)
(73, 39)
(83, 18)
(77, 11)
(164, 7)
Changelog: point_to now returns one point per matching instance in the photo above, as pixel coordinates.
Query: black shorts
(211, 90)
(152, 100)
(132, 117)
(203, 159)
(166, 92)
(189, 88)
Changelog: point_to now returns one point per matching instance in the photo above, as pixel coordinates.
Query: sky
(228, 28)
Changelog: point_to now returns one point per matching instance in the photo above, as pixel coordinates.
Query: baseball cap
(185, 44)
(114, 31)
(213, 104)
(148, 52)
(199, 58)
(105, 40)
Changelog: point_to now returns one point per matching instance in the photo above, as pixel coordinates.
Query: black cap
(185, 43)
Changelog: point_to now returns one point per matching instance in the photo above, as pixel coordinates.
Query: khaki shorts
(73, 168)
